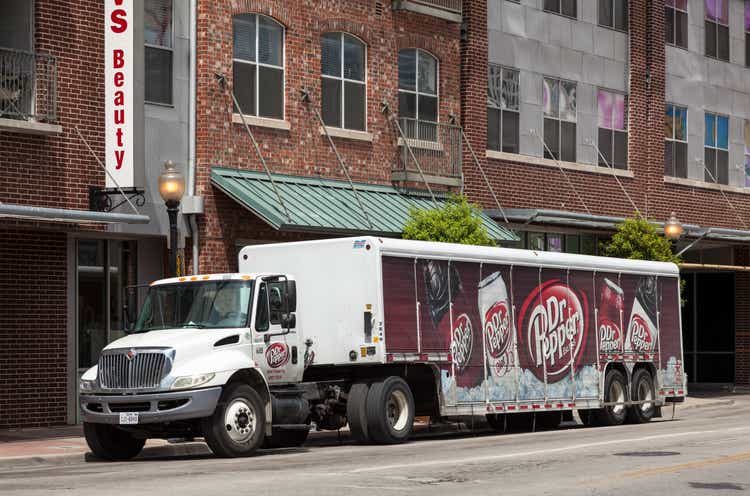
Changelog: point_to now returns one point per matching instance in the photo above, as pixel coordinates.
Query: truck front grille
(131, 369)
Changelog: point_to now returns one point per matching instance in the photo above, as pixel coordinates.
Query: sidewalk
(63, 445)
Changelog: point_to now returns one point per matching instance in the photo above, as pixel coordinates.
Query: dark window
(258, 65)
(747, 33)
(614, 14)
(343, 80)
(418, 93)
(613, 135)
(675, 144)
(559, 100)
(157, 36)
(567, 8)
(717, 29)
(716, 148)
(262, 311)
(676, 22)
(502, 109)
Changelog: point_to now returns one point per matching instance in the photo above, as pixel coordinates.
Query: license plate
(128, 418)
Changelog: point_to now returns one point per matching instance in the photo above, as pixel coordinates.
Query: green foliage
(638, 239)
(454, 222)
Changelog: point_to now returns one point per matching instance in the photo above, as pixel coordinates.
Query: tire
(615, 390)
(237, 426)
(356, 412)
(496, 421)
(390, 411)
(643, 389)
(286, 439)
(111, 443)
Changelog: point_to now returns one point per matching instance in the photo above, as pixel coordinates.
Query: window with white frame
(717, 29)
(614, 14)
(343, 87)
(259, 65)
(747, 153)
(675, 140)
(613, 133)
(159, 46)
(418, 93)
(559, 100)
(716, 148)
(568, 8)
(502, 108)
(676, 22)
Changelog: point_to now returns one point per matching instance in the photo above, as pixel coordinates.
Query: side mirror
(288, 321)
(291, 295)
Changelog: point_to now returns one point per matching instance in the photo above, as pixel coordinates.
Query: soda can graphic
(642, 331)
(611, 304)
(497, 324)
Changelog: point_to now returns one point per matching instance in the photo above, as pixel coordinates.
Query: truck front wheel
(111, 443)
(390, 411)
(237, 426)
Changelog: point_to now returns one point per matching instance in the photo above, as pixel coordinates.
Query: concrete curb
(705, 404)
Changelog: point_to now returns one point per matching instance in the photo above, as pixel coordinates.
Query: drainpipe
(193, 81)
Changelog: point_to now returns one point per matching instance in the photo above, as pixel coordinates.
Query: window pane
(570, 8)
(427, 108)
(354, 58)
(722, 41)
(710, 130)
(271, 93)
(552, 138)
(747, 15)
(747, 49)
(605, 147)
(572, 243)
(407, 69)
(747, 171)
(568, 142)
(244, 87)
(354, 106)
(680, 123)
(510, 89)
(567, 101)
(621, 14)
(717, 10)
(722, 132)
(244, 37)
(270, 39)
(605, 13)
(605, 102)
(668, 121)
(747, 136)
(669, 158)
(331, 101)
(330, 57)
(620, 154)
(551, 97)
(158, 67)
(555, 243)
(494, 86)
(552, 5)
(710, 39)
(681, 29)
(709, 156)
(407, 105)
(669, 24)
(493, 129)
(680, 159)
(722, 166)
(510, 132)
(427, 74)
(618, 112)
(157, 19)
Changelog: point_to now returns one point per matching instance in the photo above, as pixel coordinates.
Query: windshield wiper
(193, 324)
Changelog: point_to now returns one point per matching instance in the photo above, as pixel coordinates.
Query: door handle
(294, 355)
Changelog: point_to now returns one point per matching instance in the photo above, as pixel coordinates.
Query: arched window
(418, 93)
(259, 65)
(343, 87)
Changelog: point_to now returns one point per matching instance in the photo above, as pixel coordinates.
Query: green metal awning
(329, 206)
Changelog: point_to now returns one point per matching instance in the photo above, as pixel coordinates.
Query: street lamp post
(171, 189)
(673, 230)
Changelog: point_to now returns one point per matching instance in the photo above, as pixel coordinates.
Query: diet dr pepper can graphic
(642, 330)
(497, 324)
(611, 304)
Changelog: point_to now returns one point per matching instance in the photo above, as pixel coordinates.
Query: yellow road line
(739, 457)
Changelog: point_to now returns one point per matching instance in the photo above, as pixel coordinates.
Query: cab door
(276, 339)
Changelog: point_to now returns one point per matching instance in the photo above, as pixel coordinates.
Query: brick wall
(302, 150)
(33, 364)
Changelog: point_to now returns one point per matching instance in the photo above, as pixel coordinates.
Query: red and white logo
(463, 341)
(640, 335)
(556, 323)
(497, 329)
(277, 355)
(609, 336)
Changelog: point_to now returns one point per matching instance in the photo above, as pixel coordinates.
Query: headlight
(86, 386)
(191, 381)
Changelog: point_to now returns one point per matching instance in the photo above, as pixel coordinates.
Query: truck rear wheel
(390, 411)
(643, 391)
(111, 443)
(356, 411)
(615, 391)
(237, 426)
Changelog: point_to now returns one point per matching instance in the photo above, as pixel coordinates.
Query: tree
(636, 238)
(454, 222)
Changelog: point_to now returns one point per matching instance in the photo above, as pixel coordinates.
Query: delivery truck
(370, 332)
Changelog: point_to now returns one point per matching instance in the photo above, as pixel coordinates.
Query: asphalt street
(703, 451)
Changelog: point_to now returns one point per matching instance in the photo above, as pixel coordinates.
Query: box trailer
(372, 332)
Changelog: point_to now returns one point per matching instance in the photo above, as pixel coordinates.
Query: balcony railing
(28, 86)
(435, 148)
(450, 10)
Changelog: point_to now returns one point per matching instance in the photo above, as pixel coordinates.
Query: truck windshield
(203, 305)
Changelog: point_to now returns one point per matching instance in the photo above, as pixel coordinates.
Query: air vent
(227, 340)
(379, 9)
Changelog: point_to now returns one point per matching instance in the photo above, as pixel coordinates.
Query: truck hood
(187, 342)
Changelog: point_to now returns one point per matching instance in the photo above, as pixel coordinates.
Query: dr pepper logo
(463, 341)
(277, 355)
(555, 323)
(497, 329)
(640, 334)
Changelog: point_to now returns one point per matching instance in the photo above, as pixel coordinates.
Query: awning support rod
(484, 176)
(106, 171)
(705, 233)
(591, 143)
(721, 190)
(391, 117)
(562, 171)
(223, 83)
(306, 99)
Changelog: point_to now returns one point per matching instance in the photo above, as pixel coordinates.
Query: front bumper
(152, 408)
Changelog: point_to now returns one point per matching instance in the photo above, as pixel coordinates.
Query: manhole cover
(648, 453)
